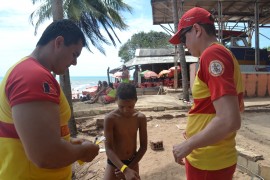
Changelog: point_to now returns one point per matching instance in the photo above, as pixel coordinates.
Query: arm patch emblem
(216, 68)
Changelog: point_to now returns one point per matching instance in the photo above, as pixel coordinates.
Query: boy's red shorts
(193, 173)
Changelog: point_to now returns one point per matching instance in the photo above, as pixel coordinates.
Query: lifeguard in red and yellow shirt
(34, 113)
(214, 118)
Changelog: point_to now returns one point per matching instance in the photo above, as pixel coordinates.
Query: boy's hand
(128, 174)
(119, 174)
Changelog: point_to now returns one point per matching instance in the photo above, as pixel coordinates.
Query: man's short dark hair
(210, 29)
(126, 91)
(66, 28)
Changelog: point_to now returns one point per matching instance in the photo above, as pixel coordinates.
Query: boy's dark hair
(126, 91)
(66, 28)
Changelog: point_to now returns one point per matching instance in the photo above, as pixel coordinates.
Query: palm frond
(91, 16)
(41, 14)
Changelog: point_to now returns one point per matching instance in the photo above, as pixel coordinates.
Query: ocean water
(79, 83)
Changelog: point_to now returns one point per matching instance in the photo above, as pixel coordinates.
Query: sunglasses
(183, 34)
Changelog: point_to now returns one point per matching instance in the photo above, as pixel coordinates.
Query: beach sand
(167, 126)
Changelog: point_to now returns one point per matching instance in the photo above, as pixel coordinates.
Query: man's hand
(180, 151)
(91, 152)
(91, 149)
(77, 140)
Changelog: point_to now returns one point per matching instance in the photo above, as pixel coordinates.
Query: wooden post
(175, 20)
(108, 75)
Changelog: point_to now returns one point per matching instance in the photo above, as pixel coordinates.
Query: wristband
(80, 162)
(123, 168)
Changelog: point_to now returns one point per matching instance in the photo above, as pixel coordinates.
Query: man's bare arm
(38, 126)
(226, 121)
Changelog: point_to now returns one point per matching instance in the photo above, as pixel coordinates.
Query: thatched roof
(153, 56)
(157, 60)
(154, 52)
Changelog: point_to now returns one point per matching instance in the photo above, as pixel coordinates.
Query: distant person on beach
(101, 92)
(110, 94)
(125, 74)
(120, 129)
(88, 96)
(99, 86)
(209, 149)
(135, 75)
(116, 84)
(34, 112)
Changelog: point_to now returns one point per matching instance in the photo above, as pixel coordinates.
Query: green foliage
(91, 16)
(151, 39)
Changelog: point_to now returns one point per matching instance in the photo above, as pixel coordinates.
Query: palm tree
(90, 16)
(182, 57)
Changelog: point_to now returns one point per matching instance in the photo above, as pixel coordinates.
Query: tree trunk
(66, 87)
(181, 51)
(108, 74)
(184, 72)
(57, 12)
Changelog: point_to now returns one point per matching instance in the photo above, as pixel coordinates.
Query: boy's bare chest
(127, 126)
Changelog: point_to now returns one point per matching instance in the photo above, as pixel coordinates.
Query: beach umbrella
(118, 74)
(90, 90)
(163, 72)
(142, 73)
(172, 69)
(150, 74)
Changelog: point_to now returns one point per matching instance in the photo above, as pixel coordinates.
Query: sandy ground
(167, 126)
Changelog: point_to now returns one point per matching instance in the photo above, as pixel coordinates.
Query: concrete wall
(192, 72)
(148, 91)
(256, 84)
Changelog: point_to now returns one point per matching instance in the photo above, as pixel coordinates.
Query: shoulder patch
(216, 68)
(48, 88)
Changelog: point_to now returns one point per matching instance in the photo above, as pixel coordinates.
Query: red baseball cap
(192, 16)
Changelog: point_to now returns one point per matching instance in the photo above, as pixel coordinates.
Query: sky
(18, 39)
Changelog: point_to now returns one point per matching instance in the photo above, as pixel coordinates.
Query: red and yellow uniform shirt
(218, 75)
(28, 81)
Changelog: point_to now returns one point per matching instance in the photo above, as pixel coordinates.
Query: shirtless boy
(120, 128)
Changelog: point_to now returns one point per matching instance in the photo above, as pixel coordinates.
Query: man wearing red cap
(209, 149)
